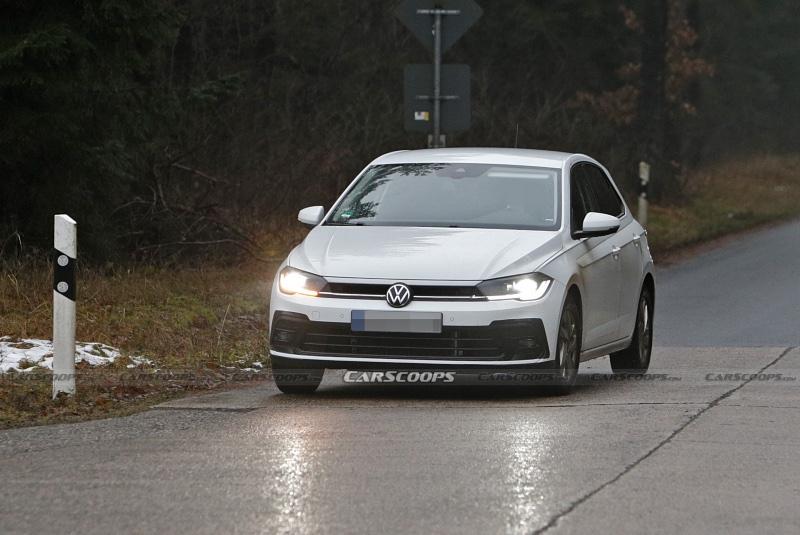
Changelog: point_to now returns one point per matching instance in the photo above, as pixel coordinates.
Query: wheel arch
(574, 291)
(574, 288)
(650, 283)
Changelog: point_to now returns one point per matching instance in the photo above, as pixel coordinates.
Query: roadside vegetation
(199, 328)
(724, 198)
(201, 325)
(174, 128)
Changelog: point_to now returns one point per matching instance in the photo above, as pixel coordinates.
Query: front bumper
(496, 334)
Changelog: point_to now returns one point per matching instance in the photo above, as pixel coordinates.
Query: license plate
(390, 321)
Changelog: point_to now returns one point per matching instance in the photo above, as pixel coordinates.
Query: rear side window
(605, 198)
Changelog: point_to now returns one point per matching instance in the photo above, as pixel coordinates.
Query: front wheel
(292, 377)
(636, 357)
(568, 348)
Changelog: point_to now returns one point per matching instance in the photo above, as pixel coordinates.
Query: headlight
(294, 281)
(521, 287)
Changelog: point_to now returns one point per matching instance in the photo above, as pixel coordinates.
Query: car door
(629, 241)
(598, 264)
(627, 244)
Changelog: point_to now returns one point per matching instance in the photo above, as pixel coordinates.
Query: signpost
(454, 116)
(438, 24)
(65, 243)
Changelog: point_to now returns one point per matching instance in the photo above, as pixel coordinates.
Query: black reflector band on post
(64, 274)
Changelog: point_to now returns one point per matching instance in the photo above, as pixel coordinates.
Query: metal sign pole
(437, 78)
(65, 243)
(424, 109)
(436, 141)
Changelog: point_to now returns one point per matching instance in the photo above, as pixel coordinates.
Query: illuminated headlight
(521, 287)
(294, 281)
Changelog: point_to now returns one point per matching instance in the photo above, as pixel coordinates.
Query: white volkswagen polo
(465, 259)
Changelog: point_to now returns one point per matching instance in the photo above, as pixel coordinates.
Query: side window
(607, 200)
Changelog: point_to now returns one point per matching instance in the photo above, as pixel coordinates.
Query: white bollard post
(65, 242)
(644, 180)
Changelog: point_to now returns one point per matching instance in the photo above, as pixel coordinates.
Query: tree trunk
(653, 119)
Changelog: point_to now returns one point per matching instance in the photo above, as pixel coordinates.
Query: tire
(635, 358)
(568, 348)
(292, 377)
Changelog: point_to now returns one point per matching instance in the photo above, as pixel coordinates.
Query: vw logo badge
(398, 295)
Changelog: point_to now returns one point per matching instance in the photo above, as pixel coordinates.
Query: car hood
(409, 253)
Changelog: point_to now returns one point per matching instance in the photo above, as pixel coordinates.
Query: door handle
(615, 252)
(637, 240)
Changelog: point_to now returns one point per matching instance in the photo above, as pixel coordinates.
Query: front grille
(461, 343)
(419, 291)
(502, 340)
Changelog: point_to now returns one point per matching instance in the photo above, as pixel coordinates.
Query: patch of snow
(257, 367)
(25, 354)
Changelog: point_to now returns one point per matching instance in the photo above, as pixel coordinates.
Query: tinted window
(453, 195)
(605, 198)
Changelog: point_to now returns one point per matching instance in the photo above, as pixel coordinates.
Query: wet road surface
(696, 448)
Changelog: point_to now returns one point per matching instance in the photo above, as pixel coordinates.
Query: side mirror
(597, 224)
(311, 216)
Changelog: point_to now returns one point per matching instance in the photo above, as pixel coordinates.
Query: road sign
(419, 102)
(418, 16)
(438, 24)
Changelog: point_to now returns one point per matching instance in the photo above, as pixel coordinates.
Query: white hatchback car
(463, 260)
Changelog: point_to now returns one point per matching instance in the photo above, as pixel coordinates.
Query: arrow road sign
(418, 16)
(455, 98)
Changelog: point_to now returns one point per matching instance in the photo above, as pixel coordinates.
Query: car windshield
(452, 195)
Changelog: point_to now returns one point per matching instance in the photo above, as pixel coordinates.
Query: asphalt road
(744, 294)
(689, 450)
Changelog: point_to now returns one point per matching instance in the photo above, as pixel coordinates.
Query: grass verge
(727, 198)
(198, 327)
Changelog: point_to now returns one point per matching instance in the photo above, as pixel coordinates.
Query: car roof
(499, 156)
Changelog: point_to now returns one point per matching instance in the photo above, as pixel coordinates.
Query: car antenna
(516, 137)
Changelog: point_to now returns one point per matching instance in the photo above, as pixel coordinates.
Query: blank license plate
(391, 321)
